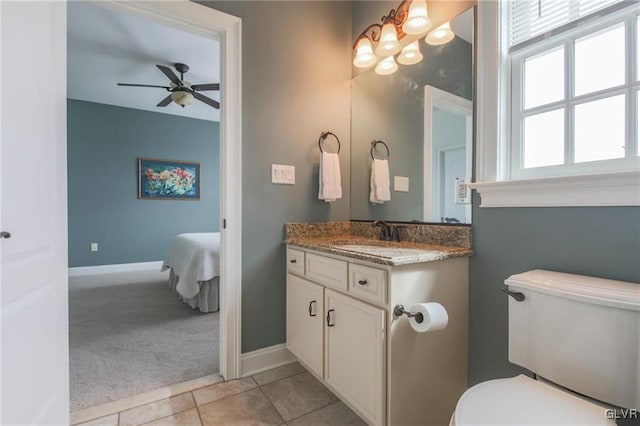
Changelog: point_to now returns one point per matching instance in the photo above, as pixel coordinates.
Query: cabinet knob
(5, 235)
(293, 261)
(362, 282)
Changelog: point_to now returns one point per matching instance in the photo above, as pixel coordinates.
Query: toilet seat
(522, 400)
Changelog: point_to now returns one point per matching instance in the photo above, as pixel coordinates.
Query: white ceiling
(108, 46)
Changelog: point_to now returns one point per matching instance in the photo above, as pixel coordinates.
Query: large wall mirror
(424, 114)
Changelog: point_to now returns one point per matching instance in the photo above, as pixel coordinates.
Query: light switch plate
(462, 191)
(401, 184)
(283, 174)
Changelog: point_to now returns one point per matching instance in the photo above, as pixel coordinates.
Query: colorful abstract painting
(168, 180)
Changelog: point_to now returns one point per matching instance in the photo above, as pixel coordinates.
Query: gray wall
(597, 241)
(295, 84)
(103, 144)
(391, 108)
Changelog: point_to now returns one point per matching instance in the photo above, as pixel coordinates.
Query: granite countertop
(377, 251)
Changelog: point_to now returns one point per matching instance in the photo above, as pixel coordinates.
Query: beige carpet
(129, 333)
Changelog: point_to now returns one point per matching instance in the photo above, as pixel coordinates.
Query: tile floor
(286, 395)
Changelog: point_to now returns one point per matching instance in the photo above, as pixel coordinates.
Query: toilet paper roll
(434, 317)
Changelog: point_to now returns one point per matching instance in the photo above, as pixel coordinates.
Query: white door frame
(434, 97)
(217, 25)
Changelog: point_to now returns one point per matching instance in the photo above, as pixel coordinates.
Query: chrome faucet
(385, 229)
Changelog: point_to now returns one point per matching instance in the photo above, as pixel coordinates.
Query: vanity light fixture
(441, 35)
(409, 18)
(410, 54)
(386, 66)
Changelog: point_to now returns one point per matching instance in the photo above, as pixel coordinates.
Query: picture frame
(168, 180)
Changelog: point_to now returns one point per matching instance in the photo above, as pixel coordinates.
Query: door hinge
(224, 223)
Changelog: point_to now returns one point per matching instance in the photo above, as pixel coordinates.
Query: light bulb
(410, 54)
(364, 54)
(388, 44)
(440, 35)
(386, 66)
(418, 21)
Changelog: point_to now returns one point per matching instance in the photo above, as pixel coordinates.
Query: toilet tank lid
(601, 291)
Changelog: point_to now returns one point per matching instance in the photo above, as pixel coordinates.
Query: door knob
(5, 235)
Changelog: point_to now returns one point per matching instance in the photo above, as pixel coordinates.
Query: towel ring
(373, 147)
(323, 136)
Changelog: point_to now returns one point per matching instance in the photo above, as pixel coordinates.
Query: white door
(305, 313)
(33, 261)
(355, 353)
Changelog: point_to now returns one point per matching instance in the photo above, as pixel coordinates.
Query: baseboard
(122, 267)
(265, 359)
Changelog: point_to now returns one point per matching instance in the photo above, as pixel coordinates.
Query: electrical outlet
(94, 246)
(462, 192)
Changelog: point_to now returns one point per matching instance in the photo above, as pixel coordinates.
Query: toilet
(580, 336)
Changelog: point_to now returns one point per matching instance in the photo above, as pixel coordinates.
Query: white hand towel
(330, 185)
(380, 183)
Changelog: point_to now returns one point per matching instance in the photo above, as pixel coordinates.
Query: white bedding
(195, 258)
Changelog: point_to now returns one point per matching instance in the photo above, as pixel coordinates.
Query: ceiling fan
(181, 92)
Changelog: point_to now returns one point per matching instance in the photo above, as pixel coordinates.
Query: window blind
(530, 20)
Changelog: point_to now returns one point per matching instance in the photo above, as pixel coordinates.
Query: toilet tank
(580, 332)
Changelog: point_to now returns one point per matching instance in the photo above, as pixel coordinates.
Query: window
(558, 111)
(573, 87)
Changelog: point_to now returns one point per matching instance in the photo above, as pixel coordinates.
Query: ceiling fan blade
(170, 74)
(206, 100)
(212, 86)
(166, 101)
(143, 85)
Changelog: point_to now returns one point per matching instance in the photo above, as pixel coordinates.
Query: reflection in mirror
(424, 114)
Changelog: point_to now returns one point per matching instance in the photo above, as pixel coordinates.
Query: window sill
(606, 189)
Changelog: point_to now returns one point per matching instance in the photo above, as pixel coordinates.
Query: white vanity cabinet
(340, 325)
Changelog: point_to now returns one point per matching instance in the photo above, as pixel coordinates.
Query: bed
(194, 264)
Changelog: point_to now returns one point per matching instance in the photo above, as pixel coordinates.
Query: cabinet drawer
(295, 261)
(327, 271)
(368, 283)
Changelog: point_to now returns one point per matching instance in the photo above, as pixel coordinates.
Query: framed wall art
(168, 180)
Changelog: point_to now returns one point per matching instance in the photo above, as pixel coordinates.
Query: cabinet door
(305, 314)
(355, 353)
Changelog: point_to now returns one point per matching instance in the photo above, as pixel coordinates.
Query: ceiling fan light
(410, 54)
(388, 44)
(182, 98)
(440, 35)
(364, 54)
(386, 66)
(418, 21)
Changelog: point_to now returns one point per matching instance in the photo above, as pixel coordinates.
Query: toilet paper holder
(399, 311)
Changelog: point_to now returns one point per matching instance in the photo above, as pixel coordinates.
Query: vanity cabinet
(340, 325)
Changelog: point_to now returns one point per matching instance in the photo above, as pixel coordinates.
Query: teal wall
(291, 92)
(597, 241)
(103, 145)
